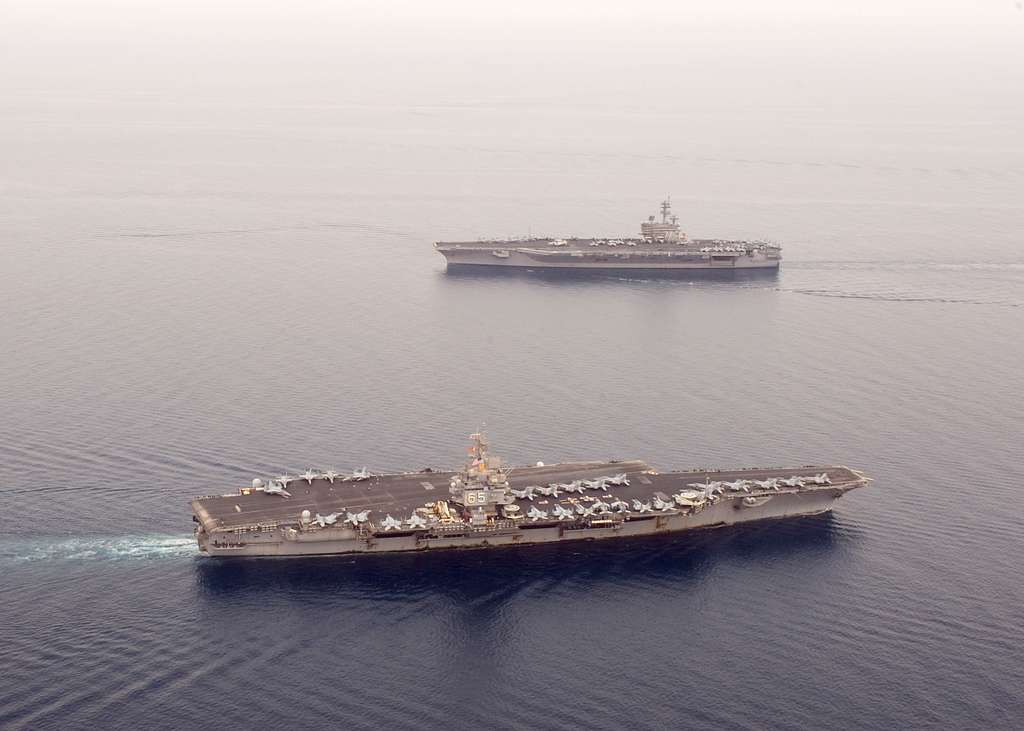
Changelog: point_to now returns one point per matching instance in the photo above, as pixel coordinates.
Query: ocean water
(216, 233)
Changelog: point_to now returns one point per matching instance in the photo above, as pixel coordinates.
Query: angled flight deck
(660, 246)
(487, 504)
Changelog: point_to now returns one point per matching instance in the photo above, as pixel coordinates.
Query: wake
(119, 548)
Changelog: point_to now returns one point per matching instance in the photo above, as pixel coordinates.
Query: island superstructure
(661, 245)
(489, 504)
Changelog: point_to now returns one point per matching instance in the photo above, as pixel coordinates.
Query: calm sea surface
(216, 264)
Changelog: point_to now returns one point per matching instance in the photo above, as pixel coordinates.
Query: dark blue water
(211, 277)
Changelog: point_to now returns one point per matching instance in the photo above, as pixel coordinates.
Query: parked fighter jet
(549, 490)
(597, 484)
(561, 513)
(416, 521)
(390, 523)
(583, 509)
(360, 475)
(641, 507)
(771, 484)
(525, 494)
(710, 489)
(576, 486)
(738, 485)
(617, 480)
(536, 514)
(619, 506)
(284, 480)
(325, 520)
(356, 518)
(662, 505)
(822, 479)
(309, 476)
(793, 482)
(276, 488)
(600, 506)
(331, 475)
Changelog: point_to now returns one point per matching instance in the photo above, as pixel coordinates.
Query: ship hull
(726, 512)
(465, 258)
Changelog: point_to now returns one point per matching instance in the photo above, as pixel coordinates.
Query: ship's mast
(483, 484)
(477, 467)
(665, 232)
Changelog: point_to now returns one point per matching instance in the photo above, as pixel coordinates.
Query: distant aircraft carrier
(660, 246)
(488, 504)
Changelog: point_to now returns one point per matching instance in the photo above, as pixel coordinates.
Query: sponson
(487, 503)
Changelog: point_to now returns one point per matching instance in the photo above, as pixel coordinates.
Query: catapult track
(258, 523)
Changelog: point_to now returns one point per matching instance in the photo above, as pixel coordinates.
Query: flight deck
(487, 503)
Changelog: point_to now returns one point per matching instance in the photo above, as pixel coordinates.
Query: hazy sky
(134, 45)
(880, 61)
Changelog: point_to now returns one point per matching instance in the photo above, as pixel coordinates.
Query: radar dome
(257, 484)
(305, 516)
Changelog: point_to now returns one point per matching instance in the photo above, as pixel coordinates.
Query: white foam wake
(97, 549)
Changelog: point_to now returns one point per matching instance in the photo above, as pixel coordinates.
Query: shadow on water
(478, 271)
(474, 574)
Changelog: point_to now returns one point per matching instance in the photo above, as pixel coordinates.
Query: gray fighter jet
(285, 479)
(642, 507)
(525, 494)
(710, 489)
(331, 475)
(822, 479)
(416, 521)
(549, 491)
(536, 514)
(600, 506)
(390, 523)
(360, 475)
(325, 520)
(276, 488)
(663, 505)
(576, 486)
(561, 513)
(356, 518)
(582, 509)
(793, 481)
(619, 480)
(309, 476)
(619, 506)
(770, 484)
(738, 485)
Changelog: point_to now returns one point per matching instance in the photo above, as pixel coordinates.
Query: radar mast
(665, 232)
(483, 483)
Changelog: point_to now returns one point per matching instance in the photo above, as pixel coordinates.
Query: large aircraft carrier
(660, 246)
(489, 504)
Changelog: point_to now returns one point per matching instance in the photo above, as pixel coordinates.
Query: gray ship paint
(216, 262)
(487, 505)
(660, 246)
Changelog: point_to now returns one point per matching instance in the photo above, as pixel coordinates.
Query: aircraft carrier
(489, 504)
(660, 246)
